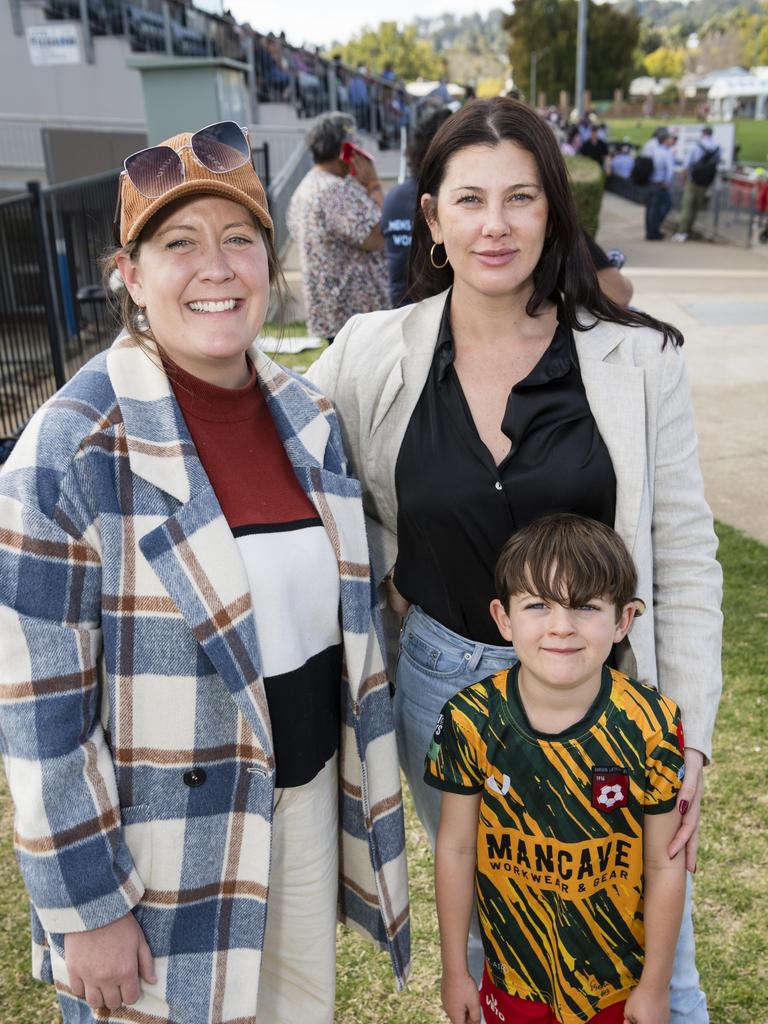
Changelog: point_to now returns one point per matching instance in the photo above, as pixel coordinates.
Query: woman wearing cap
(514, 388)
(189, 666)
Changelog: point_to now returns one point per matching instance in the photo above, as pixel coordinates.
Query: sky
(320, 22)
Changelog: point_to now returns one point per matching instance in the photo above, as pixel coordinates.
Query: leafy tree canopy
(665, 63)
(409, 56)
(548, 28)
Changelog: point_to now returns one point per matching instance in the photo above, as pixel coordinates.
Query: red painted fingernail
(683, 806)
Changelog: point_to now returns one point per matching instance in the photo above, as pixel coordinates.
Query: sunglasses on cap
(220, 148)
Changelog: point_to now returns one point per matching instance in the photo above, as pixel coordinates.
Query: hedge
(588, 183)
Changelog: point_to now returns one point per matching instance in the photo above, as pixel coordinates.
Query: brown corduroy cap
(241, 185)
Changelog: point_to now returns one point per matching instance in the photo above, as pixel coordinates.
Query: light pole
(581, 56)
(534, 61)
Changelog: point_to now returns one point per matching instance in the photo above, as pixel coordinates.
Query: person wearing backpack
(700, 171)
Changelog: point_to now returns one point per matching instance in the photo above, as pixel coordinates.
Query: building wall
(105, 96)
(106, 89)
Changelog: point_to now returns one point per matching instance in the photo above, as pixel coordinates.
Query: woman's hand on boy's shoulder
(647, 1005)
(461, 999)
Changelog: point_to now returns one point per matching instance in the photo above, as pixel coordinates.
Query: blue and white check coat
(129, 655)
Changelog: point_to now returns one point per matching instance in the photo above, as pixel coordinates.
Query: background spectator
(700, 171)
(623, 162)
(400, 206)
(594, 147)
(334, 218)
(659, 202)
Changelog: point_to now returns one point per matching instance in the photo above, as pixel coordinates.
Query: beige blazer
(638, 393)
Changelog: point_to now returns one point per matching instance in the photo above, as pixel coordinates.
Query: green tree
(665, 63)
(737, 36)
(761, 51)
(409, 56)
(548, 28)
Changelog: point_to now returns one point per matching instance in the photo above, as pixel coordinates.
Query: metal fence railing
(736, 209)
(26, 357)
(53, 310)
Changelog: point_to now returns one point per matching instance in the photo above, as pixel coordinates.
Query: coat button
(194, 777)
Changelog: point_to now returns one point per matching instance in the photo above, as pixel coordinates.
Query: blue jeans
(435, 663)
(687, 1003)
(659, 204)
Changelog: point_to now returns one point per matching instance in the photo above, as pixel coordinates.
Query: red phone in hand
(348, 150)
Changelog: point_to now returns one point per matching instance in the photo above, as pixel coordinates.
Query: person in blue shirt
(622, 163)
(399, 207)
(659, 149)
(357, 95)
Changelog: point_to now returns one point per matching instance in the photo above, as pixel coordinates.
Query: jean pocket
(430, 659)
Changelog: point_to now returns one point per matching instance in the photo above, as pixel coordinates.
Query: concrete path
(718, 296)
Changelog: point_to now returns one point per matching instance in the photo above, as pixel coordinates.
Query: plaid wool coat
(129, 655)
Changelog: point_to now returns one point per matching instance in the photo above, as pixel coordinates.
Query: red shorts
(501, 1008)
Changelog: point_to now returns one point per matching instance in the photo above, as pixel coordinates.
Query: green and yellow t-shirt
(559, 841)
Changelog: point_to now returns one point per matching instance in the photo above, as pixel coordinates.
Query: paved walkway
(718, 296)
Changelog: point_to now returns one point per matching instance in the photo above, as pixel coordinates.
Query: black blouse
(456, 508)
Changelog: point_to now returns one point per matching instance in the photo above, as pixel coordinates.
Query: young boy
(559, 779)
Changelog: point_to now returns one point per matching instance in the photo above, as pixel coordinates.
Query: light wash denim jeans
(435, 663)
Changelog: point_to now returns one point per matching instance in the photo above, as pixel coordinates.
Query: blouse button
(498, 485)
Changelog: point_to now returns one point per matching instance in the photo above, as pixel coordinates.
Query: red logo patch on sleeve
(610, 788)
(680, 735)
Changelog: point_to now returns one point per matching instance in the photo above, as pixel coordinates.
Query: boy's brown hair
(567, 559)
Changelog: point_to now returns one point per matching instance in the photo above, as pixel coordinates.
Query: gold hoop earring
(437, 266)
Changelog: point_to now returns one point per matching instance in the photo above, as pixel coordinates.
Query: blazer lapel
(616, 396)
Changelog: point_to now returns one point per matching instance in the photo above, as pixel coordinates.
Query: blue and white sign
(53, 44)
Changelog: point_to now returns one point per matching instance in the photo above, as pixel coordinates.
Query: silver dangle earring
(140, 320)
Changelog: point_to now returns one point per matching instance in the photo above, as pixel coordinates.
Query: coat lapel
(302, 420)
(616, 396)
(192, 552)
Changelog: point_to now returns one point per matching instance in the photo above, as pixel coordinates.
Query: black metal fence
(53, 310)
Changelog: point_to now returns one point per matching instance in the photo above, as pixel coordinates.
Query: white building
(744, 95)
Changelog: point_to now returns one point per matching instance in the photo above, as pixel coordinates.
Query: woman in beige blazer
(508, 317)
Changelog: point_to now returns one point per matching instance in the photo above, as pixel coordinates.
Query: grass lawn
(731, 899)
(752, 136)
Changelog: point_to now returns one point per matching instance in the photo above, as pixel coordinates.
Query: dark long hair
(565, 273)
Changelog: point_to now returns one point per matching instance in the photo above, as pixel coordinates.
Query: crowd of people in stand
(473, 546)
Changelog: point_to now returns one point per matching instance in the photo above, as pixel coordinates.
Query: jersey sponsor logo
(574, 870)
(610, 788)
